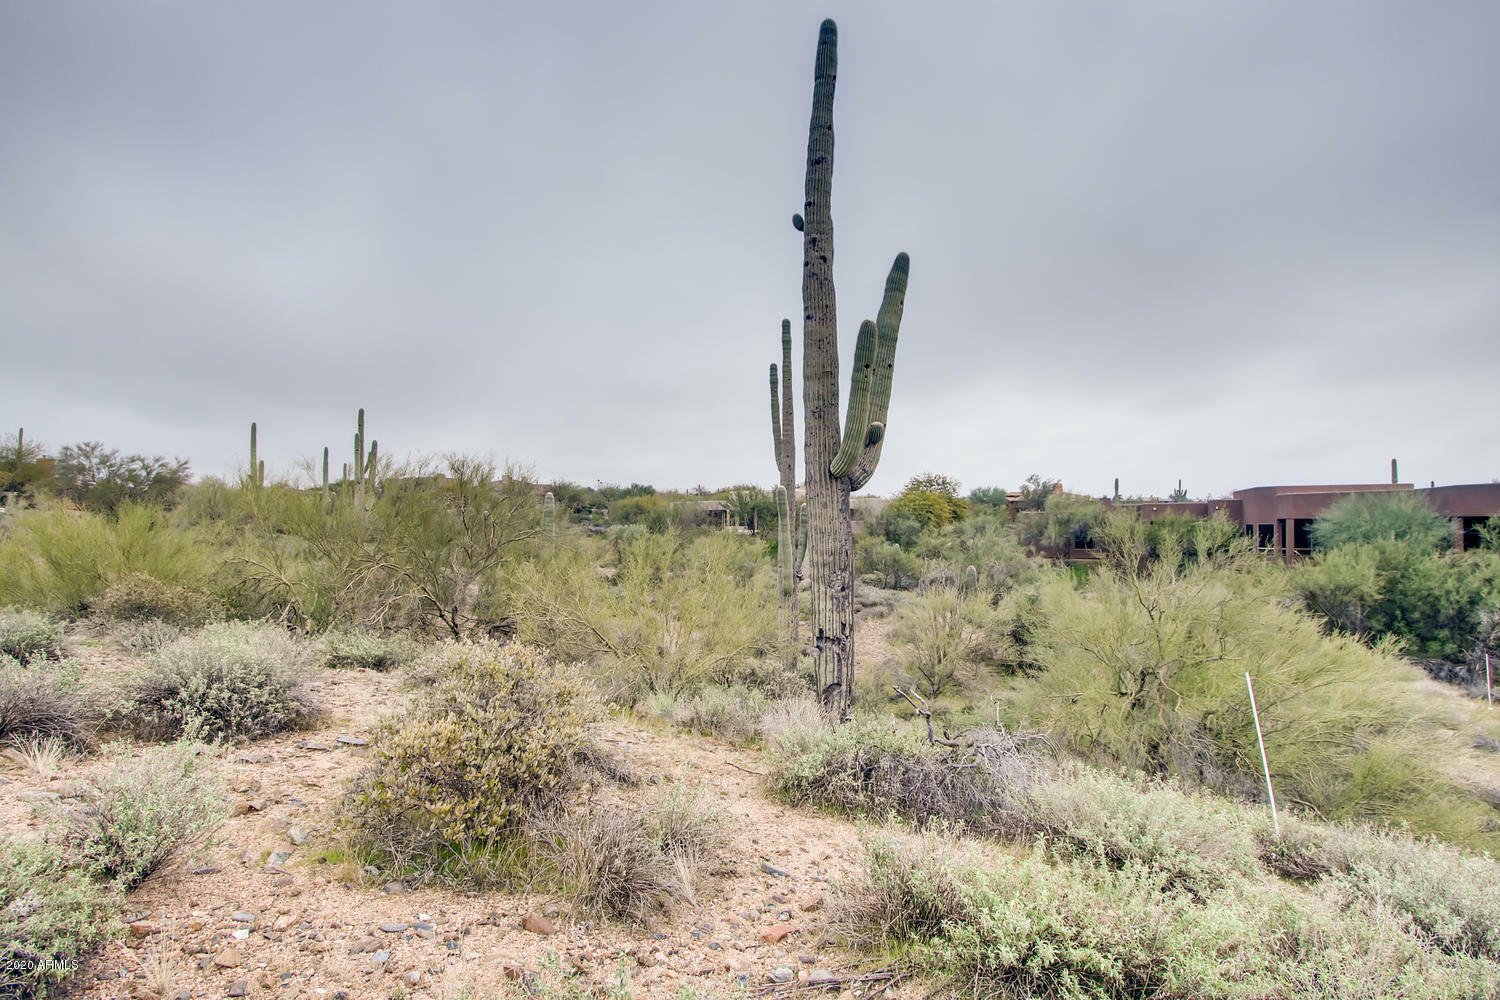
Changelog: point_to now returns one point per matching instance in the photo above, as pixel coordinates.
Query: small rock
(258, 805)
(240, 934)
(820, 976)
(395, 888)
(229, 958)
(774, 934)
(239, 988)
(772, 871)
(645, 961)
(412, 978)
(780, 974)
(807, 959)
(206, 870)
(364, 945)
(353, 741)
(144, 928)
(251, 757)
(243, 917)
(371, 870)
(279, 858)
(246, 785)
(297, 835)
(537, 923)
(394, 928)
(427, 931)
(381, 957)
(314, 745)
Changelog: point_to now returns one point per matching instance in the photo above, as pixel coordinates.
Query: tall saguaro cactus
(791, 544)
(838, 461)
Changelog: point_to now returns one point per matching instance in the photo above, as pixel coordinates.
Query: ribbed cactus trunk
(788, 554)
(837, 463)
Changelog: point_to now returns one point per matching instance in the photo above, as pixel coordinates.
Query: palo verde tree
(838, 461)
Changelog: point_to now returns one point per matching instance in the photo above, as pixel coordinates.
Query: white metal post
(1264, 762)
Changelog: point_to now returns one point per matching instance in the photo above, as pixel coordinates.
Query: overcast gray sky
(1238, 243)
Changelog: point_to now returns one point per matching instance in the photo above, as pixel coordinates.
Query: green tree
(1399, 517)
(23, 464)
(1036, 490)
(931, 499)
(101, 479)
(987, 496)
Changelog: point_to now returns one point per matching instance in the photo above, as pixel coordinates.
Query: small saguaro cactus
(325, 473)
(1394, 479)
(1117, 489)
(971, 579)
(257, 468)
(549, 515)
(839, 461)
(789, 556)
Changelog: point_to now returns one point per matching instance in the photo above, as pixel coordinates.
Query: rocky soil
(273, 908)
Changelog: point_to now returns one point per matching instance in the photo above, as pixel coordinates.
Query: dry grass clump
(633, 864)
(873, 766)
(44, 702)
(370, 650)
(230, 681)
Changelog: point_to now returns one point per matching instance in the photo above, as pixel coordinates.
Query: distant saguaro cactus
(257, 468)
(549, 515)
(789, 556)
(838, 461)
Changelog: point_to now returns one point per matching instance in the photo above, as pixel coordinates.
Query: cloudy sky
(1235, 243)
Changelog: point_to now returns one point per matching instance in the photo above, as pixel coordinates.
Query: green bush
(369, 650)
(43, 702)
(50, 919)
(63, 560)
(1147, 670)
(886, 563)
(145, 813)
(941, 635)
(231, 681)
(1401, 518)
(491, 745)
(138, 597)
(1074, 929)
(28, 635)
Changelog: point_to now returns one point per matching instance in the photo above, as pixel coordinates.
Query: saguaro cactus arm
(857, 421)
(888, 328)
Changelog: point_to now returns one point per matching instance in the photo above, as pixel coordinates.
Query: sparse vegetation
(27, 635)
(230, 681)
(50, 918)
(44, 702)
(145, 813)
(370, 650)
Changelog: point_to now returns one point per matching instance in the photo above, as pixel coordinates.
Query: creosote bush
(28, 635)
(230, 681)
(146, 812)
(492, 744)
(50, 918)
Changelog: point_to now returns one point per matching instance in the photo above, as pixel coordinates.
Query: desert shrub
(677, 612)
(1148, 670)
(1447, 894)
(941, 634)
(420, 551)
(370, 650)
(43, 702)
(138, 597)
(145, 636)
(489, 746)
(63, 560)
(886, 563)
(27, 635)
(1433, 603)
(1194, 841)
(633, 864)
(230, 681)
(1040, 926)
(145, 813)
(732, 713)
(50, 918)
(791, 723)
(874, 767)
